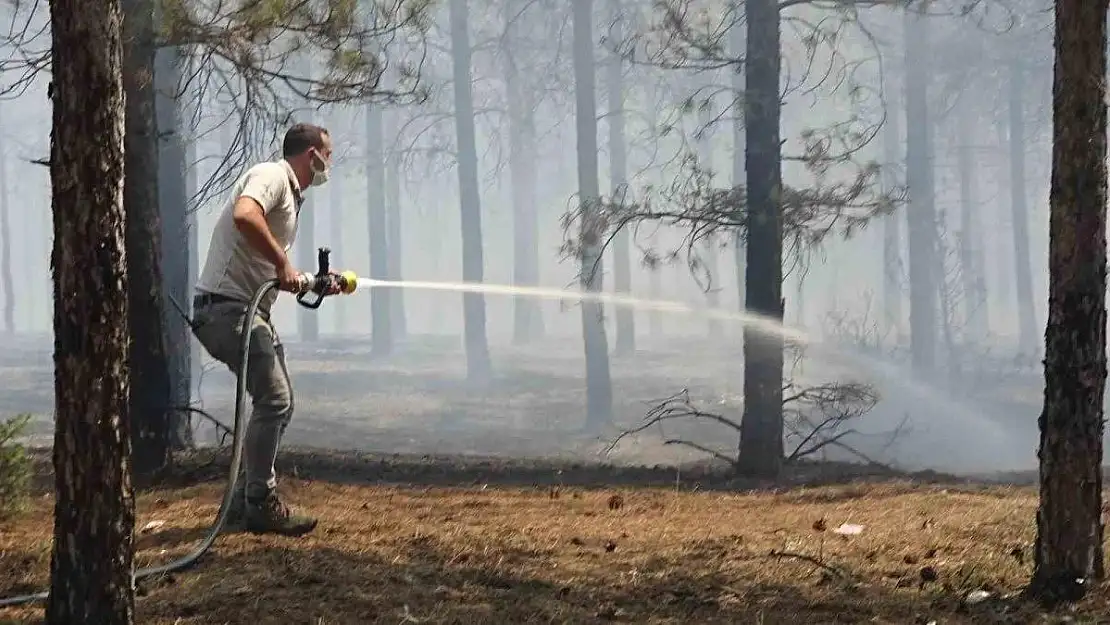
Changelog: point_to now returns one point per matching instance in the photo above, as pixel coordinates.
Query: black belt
(202, 300)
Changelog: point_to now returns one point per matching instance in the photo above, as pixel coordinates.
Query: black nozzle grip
(323, 268)
(313, 305)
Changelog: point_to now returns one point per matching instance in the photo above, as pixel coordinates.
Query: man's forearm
(254, 228)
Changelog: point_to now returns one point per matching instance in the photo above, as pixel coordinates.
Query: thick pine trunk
(921, 227)
(1019, 204)
(761, 446)
(478, 368)
(151, 399)
(618, 174)
(94, 509)
(381, 333)
(599, 387)
(1069, 523)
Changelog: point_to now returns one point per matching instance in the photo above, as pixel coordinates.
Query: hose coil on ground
(233, 472)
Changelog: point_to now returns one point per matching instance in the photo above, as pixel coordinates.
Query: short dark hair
(302, 137)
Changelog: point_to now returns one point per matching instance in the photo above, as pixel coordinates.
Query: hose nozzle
(324, 283)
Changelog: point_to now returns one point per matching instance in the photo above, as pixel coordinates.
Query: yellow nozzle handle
(349, 281)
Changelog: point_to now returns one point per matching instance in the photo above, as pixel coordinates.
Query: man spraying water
(249, 246)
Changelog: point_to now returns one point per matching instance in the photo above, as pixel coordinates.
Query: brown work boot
(271, 516)
(236, 520)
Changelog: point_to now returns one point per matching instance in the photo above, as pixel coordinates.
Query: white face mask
(320, 170)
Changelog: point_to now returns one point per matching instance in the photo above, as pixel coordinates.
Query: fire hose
(321, 284)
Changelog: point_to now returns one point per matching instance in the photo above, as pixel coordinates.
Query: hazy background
(978, 414)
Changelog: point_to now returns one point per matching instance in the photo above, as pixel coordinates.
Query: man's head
(307, 148)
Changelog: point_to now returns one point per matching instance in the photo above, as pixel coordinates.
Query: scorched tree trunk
(1069, 525)
(94, 510)
(761, 444)
(151, 399)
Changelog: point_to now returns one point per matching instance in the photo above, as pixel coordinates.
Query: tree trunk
(618, 174)
(599, 388)
(761, 446)
(173, 202)
(527, 313)
(381, 333)
(394, 244)
(478, 367)
(1023, 275)
(337, 214)
(892, 253)
(1069, 524)
(6, 281)
(151, 398)
(974, 287)
(655, 272)
(94, 508)
(737, 50)
(308, 322)
(921, 212)
(192, 188)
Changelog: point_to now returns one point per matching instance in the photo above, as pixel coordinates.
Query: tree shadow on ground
(251, 581)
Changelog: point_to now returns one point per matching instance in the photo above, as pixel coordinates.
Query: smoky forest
(635, 311)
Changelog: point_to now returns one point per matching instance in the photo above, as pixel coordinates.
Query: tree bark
(478, 368)
(1069, 525)
(151, 399)
(921, 221)
(173, 202)
(761, 446)
(381, 333)
(94, 510)
(599, 387)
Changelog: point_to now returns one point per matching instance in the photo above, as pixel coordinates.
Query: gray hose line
(233, 473)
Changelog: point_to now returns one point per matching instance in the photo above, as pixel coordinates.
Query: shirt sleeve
(265, 185)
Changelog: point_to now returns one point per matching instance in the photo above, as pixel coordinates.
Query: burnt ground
(411, 540)
(466, 504)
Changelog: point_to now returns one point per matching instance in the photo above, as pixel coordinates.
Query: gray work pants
(219, 327)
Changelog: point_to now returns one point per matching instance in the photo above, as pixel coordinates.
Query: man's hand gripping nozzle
(324, 282)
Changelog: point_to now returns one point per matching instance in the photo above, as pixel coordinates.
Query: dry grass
(388, 554)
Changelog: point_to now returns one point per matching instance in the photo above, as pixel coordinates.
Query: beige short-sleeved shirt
(234, 268)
